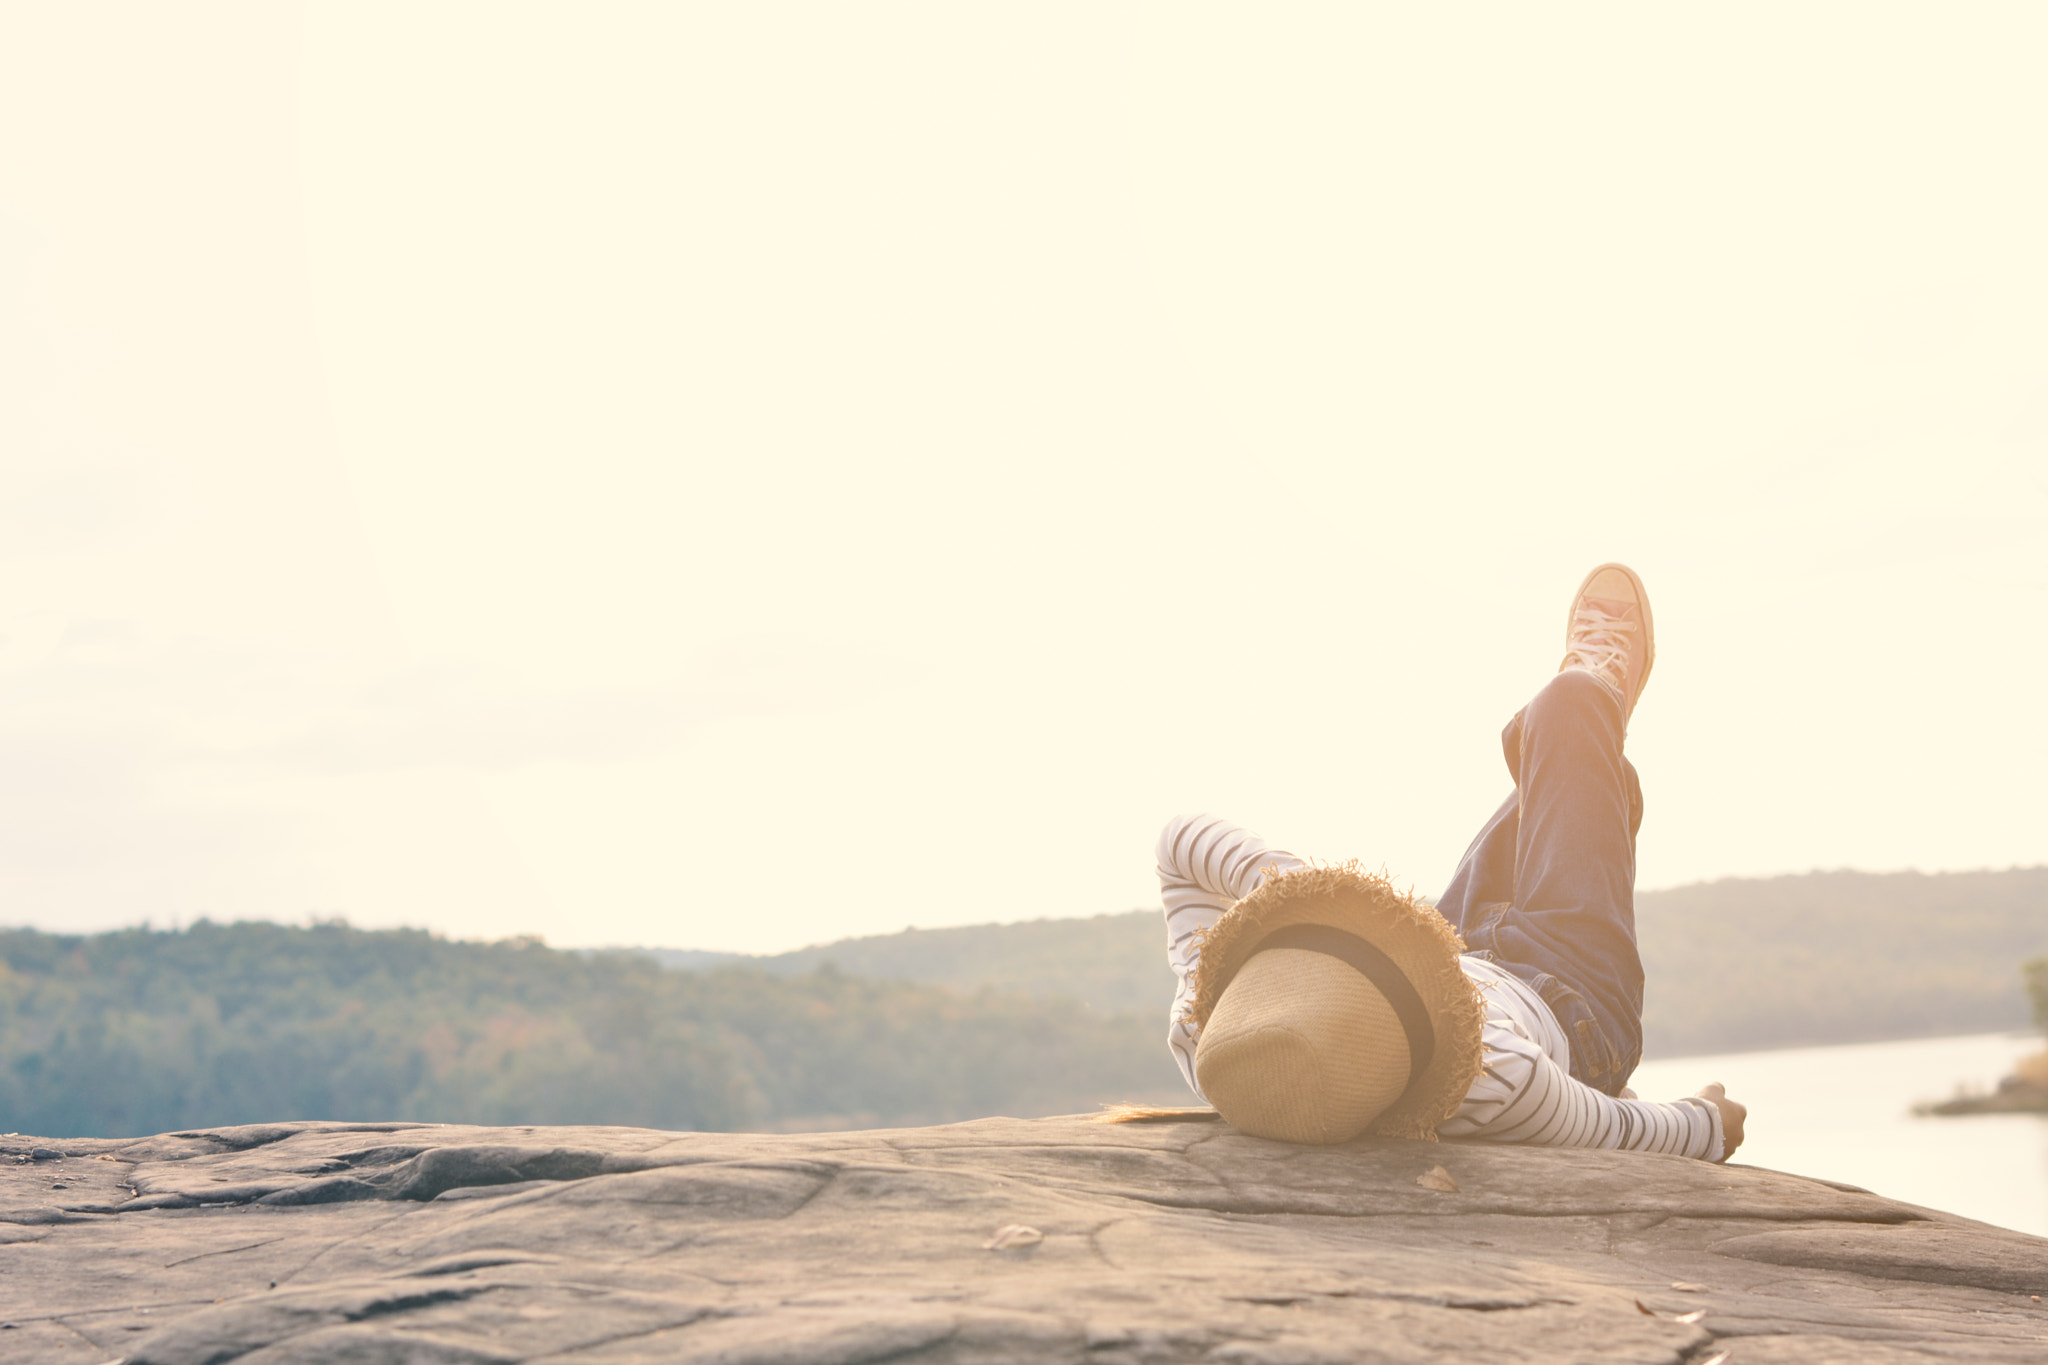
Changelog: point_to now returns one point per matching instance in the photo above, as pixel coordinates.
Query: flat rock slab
(1137, 1242)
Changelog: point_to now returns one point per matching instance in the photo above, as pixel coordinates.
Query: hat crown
(1302, 1048)
(1299, 1038)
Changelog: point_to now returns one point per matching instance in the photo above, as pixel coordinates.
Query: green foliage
(2035, 973)
(1829, 957)
(141, 1031)
(1109, 963)
(1837, 957)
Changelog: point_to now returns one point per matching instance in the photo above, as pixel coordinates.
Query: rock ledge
(1173, 1241)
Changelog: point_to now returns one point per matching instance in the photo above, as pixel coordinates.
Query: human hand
(1732, 1115)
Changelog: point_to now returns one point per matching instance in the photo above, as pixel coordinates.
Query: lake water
(1843, 1113)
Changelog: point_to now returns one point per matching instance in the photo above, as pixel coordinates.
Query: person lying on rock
(1317, 1002)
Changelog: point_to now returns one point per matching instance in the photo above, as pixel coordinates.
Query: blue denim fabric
(1547, 890)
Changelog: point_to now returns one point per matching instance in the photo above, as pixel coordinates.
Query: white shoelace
(1599, 645)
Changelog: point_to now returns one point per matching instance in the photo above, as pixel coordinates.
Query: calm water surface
(1842, 1113)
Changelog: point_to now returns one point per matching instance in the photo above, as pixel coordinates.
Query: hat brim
(1410, 932)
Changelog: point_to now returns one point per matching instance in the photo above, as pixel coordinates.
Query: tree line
(1731, 965)
(142, 1031)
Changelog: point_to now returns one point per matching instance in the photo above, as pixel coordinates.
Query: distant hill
(1110, 963)
(1838, 957)
(143, 1031)
(1827, 957)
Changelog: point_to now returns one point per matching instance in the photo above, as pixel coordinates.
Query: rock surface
(1167, 1241)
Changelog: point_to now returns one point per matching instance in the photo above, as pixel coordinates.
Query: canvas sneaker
(1609, 633)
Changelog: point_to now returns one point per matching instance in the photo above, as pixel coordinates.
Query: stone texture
(1172, 1241)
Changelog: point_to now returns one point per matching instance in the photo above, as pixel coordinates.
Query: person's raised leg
(1564, 918)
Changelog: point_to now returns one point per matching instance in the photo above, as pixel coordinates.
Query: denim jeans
(1547, 890)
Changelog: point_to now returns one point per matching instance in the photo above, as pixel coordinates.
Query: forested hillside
(1111, 963)
(1829, 957)
(1838, 957)
(143, 1031)
(140, 1032)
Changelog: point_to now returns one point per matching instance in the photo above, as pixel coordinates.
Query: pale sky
(736, 476)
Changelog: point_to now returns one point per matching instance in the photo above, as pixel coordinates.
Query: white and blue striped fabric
(1524, 1091)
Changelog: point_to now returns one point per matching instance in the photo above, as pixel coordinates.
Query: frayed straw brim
(1153, 1113)
(1412, 933)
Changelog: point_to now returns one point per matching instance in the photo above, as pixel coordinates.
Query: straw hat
(1330, 1005)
